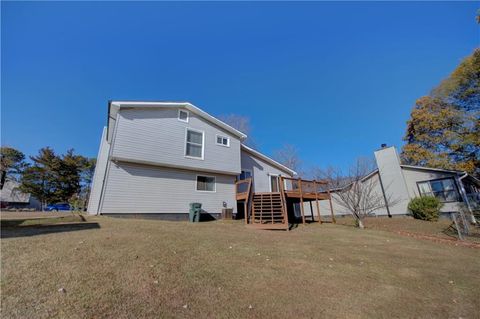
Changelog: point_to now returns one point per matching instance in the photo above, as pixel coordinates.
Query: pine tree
(40, 178)
(12, 164)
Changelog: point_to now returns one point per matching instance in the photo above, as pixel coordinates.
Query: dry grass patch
(151, 269)
(440, 229)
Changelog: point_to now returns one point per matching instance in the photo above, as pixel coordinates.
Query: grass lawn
(441, 229)
(139, 268)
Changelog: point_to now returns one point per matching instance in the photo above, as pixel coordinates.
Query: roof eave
(268, 159)
(117, 105)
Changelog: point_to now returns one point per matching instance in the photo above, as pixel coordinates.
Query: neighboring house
(457, 190)
(157, 157)
(11, 197)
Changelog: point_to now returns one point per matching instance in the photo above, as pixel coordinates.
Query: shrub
(425, 208)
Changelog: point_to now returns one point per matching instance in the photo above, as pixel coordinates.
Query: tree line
(49, 177)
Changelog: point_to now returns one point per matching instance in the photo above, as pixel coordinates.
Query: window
(244, 175)
(443, 189)
(205, 183)
(194, 144)
(183, 115)
(222, 140)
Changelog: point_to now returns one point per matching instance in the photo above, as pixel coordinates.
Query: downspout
(465, 197)
(384, 195)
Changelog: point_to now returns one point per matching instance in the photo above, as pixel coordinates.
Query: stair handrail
(284, 201)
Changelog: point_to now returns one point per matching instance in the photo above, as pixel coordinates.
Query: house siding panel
(261, 171)
(142, 189)
(99, 175)
(412, 176)
(157, 136)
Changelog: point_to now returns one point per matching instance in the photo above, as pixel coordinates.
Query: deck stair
(268, 211)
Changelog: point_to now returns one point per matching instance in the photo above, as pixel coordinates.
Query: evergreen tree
(12, 164)
(53, 178)
(41, 178)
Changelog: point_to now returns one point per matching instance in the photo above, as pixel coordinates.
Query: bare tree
(355, 191)
(240, 123)
(288, 156)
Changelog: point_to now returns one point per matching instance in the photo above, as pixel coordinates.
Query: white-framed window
(206, 184)
(222, 140)
(246, 173)
(183, 115)
(194, 143)
(444, 189)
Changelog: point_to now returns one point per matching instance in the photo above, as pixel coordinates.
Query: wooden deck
(269, 210)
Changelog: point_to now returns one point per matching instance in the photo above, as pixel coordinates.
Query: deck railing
(474, 200)
(299, 187)
(242, 188)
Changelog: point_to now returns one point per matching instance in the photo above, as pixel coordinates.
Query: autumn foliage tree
(444, 128)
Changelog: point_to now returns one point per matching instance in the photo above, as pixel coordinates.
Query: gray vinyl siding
(99, 175)
(261, 171)
(157, 136)
(338, 209)
(141, 189)
(412, 176)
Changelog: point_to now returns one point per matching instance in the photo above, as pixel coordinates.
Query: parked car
(58, 207)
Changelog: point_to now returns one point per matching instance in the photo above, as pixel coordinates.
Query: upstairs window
(183, 116)
(443, 189)
(206, 184)
(194, 144)
(222, 140)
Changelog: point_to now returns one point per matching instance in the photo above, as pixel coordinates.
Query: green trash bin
(195, 211)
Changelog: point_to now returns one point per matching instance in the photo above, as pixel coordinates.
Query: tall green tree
(12, 164)
(56, 178)
(444, 128)
(41, 178)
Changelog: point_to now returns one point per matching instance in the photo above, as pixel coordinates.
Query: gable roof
(268, 159)
(12, 194)
(115, 106)
(432, 169)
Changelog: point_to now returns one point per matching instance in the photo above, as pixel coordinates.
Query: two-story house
(157, 157)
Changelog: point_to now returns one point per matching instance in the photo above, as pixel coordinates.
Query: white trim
(369, 175)
(432, 169)
(203, 143)
(180, 167)
(214, 183)
(268, 159)
(222, 137)
(270, 181)
(115, 106)
(185, 111)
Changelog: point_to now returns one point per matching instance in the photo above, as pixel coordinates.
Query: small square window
(206, 183)
(183, 116)
(222, 140)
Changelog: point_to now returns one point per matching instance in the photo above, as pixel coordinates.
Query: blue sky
(334, 79)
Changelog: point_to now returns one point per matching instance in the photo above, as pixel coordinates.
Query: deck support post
(331, 206)
(316, 200)
(301, 200)
(245, 212)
